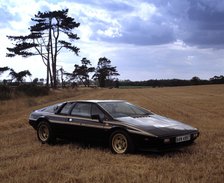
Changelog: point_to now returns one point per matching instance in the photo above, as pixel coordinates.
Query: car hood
(158, 125)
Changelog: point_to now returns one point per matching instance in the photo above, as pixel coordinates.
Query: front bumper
(162, 144)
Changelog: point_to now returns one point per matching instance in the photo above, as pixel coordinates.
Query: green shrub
(5, 92)
(32, 90)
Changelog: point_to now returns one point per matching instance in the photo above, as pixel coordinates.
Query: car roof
(99, 101)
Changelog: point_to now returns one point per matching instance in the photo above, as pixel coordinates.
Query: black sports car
(125, 126)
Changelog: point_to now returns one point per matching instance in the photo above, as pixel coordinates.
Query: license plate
(183, 138)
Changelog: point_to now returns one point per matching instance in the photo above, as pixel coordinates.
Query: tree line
(103, 73)
(173, 82)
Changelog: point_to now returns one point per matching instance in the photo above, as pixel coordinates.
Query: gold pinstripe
(108, 124)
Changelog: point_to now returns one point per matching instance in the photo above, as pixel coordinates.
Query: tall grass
(24, 159)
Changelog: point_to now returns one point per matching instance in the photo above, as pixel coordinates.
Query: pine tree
(81, 72)
(45, 40)
(3, 69)
(104, 71)
(19, 76)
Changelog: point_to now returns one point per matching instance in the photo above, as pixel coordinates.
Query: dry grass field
(24, 159)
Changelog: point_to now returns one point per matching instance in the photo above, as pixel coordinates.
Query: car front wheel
(45, 133)
(121, 143)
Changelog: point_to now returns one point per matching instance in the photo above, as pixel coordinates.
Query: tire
(121, 142)
(45, 133)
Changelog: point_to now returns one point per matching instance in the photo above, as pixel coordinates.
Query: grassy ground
(24, 159)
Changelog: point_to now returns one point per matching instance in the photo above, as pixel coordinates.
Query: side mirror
(97, 116)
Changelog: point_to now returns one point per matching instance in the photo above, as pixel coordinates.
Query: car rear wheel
(121, 143)
(45, 133)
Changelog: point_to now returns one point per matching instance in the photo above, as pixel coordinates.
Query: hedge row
(7, 92)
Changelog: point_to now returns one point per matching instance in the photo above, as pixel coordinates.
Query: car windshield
(123, 109)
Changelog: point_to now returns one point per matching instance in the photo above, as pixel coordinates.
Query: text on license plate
(183, 138)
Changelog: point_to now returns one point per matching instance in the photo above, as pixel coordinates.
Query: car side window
(97, 111)
(82, 109)
(66, 108)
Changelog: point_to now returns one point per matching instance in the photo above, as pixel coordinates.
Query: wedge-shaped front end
(159, 133)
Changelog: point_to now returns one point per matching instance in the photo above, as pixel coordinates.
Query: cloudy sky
(145, 39)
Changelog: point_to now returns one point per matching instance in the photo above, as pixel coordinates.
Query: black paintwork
(146, 132)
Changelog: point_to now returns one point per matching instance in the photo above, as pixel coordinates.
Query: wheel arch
(43, 118)
(112, 130)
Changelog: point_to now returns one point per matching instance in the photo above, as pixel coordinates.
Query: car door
(89, 128)
(61, 124)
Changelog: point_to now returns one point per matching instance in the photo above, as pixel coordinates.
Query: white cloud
(145, 11)
(137, 39)
(85, 32)
(110, 32)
